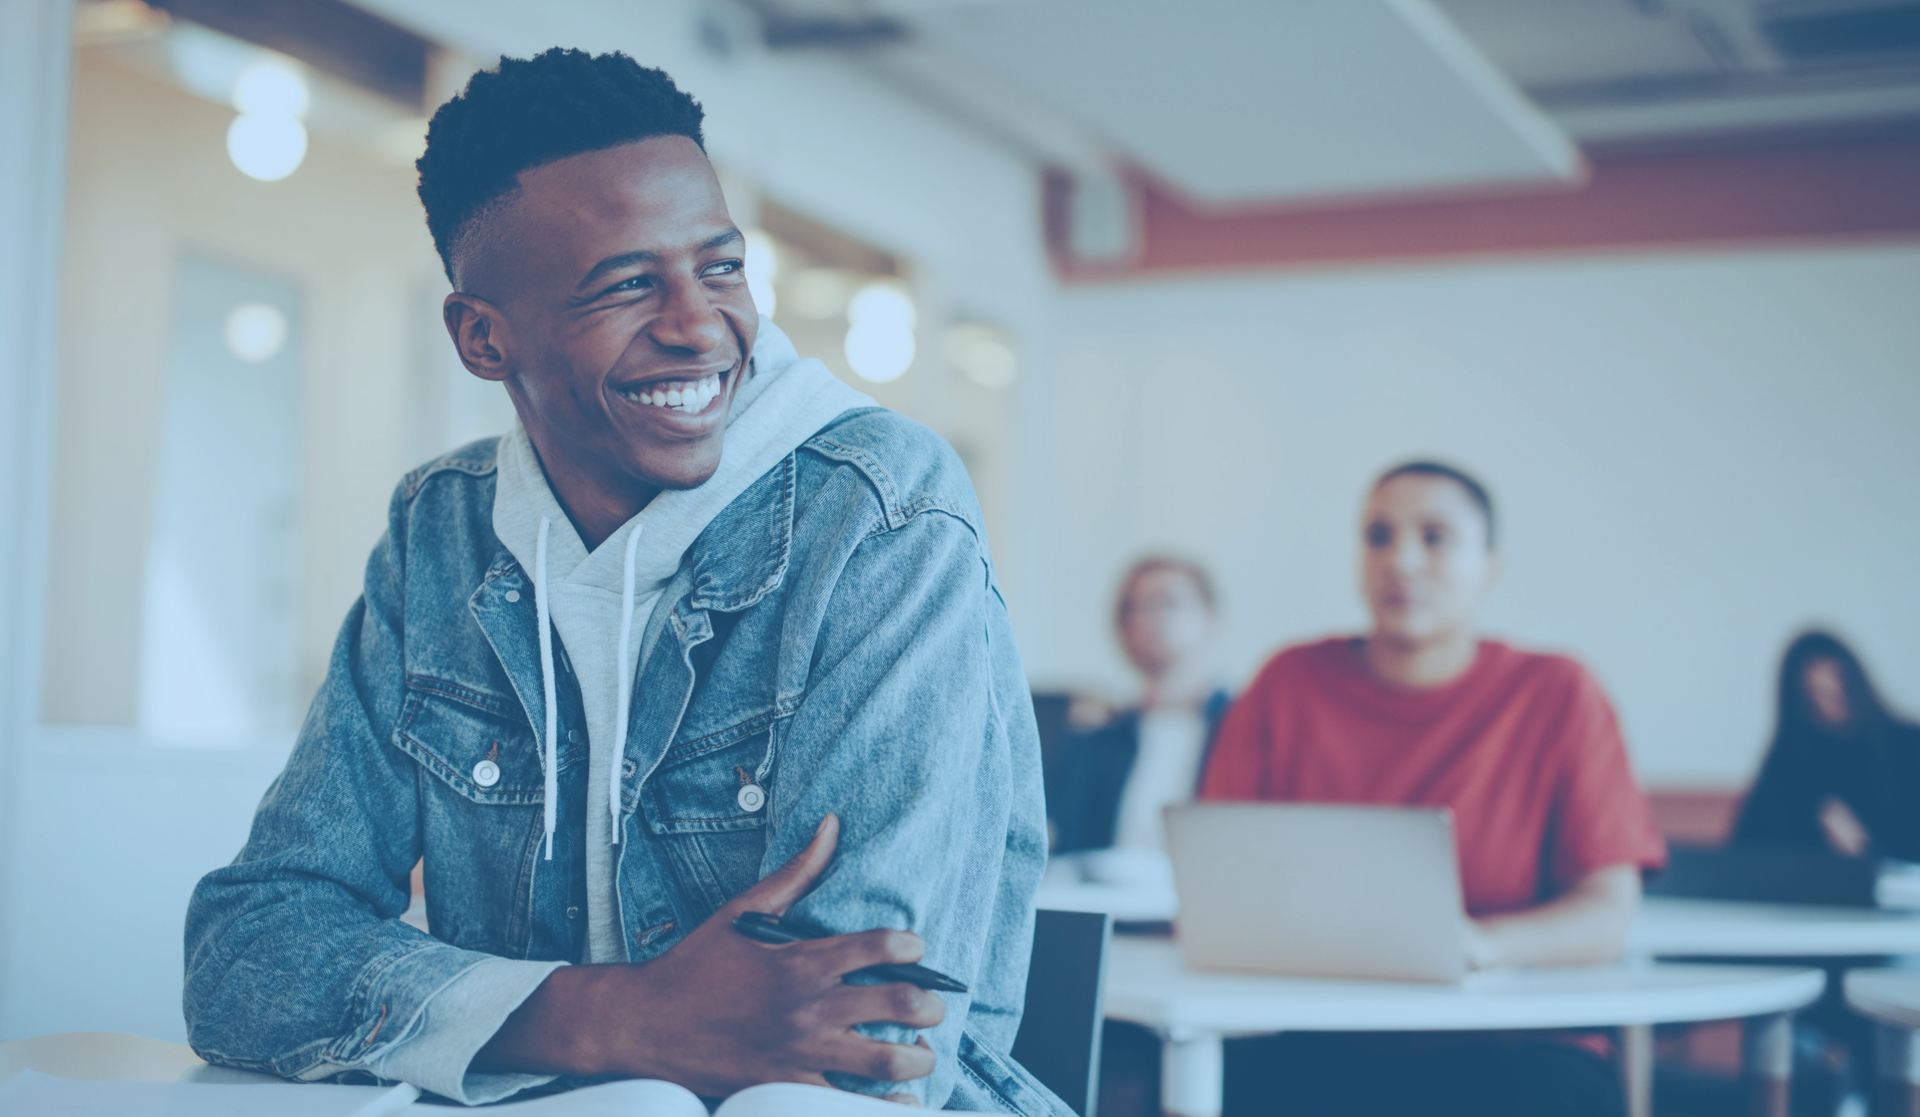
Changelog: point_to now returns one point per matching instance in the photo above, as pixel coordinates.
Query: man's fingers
(885, 1062)
(790, 881)
(842, 954)
(895, 1002)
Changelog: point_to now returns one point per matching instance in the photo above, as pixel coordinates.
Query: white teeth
(689, 398)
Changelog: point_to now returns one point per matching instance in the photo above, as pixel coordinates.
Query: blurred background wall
(1694, 454)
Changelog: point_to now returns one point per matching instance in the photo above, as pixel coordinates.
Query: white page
(30, 1094)
(795, 1099)
(644, 1097)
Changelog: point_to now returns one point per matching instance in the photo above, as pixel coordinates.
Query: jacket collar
(742, 555)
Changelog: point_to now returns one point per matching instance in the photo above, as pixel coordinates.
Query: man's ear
(480, 335)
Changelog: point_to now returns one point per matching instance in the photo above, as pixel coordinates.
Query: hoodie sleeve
(297, 962)
(917, 730)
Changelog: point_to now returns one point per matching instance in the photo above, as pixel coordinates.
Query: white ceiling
(1253, 101)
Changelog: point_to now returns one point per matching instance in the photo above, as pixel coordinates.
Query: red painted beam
(1834, 189)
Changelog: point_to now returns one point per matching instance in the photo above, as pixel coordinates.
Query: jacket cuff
(455, 1023)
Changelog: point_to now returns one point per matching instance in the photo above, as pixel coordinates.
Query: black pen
(763, 927)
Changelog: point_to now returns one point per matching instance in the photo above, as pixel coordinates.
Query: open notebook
(41, 1095)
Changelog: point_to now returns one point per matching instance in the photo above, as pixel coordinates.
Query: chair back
(1059, 1038)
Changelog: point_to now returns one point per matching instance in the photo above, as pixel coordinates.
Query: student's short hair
(1202, 581)
(528, 112)
(1475, 490)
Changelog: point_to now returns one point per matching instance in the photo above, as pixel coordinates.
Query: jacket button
(486, 773)
(513, 595)
(751, 798)
(628, 768)
(573, 911)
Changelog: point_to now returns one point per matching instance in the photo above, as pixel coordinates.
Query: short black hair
(1475, 490)
(527, 112)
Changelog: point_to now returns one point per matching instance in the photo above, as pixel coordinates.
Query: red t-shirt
(1523, 747)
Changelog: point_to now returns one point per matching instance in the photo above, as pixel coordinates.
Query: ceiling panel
(1241, 101)
(1562, 42)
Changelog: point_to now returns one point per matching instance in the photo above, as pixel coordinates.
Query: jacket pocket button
(751, 798)
(486, 773)
(512, 596)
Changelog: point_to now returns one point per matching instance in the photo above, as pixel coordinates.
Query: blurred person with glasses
(1119, 776)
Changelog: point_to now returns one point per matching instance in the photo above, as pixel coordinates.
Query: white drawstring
(545, 615)
(618, 747)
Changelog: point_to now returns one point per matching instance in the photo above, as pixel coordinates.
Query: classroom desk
(1891, 999)
(1665, 927)
(1194, 1011)
(117, 1057)
(1127, 903)
(1671, 928)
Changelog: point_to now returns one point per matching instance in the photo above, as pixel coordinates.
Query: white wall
(33, 75)
(1694, 455)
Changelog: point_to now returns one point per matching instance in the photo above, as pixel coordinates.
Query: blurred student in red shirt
(1552, 831)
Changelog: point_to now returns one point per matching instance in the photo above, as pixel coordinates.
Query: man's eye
(1378, 537)
(634, 284)
(726, 267)
(1435, 537)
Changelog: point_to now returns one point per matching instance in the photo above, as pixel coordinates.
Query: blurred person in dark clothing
(1843, 773)
(1119, 777)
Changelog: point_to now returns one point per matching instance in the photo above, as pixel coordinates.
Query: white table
(117, 1057)
(1665, 927)
(1127, 903)
(1719, 928)
(1195, 1011)
(1891, 999)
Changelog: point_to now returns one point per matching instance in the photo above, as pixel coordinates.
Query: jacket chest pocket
(479, 747)
(482, 794)
(714, 784)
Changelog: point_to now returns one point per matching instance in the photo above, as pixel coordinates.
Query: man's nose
(690, 321)
(1409, 555)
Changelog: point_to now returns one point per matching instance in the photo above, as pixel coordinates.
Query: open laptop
(1320, 890)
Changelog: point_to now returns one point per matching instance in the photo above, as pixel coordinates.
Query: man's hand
(1585, 925)
(720, 1012)
(1846, 834)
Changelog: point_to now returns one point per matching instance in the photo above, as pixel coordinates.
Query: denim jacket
(835, 635)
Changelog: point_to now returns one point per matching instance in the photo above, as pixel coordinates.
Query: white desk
(1665, 927)
(1147, 984)
(1891, 999)
(1127, 903)
(1719, 928)
(117, 1057)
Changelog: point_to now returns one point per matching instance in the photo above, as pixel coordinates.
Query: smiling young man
(705, 633)
(1523, 747)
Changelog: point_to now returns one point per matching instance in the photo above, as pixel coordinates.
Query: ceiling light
(267, 141)
(763, 264)
(255, 332)
(879, 344)
(268, 148)
(271, 87)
